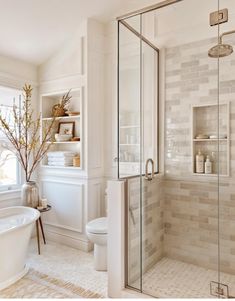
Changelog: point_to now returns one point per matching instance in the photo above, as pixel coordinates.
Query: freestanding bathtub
(16, 225)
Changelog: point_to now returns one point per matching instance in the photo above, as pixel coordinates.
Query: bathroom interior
(154, 88)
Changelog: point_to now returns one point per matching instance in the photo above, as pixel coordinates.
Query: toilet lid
(98, 226)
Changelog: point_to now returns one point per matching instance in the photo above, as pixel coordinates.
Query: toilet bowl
(97, 232)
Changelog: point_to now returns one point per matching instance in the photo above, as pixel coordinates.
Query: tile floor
(167, 279)
(68, 264)
(174, 279)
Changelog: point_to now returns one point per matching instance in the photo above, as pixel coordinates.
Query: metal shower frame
(122, 20)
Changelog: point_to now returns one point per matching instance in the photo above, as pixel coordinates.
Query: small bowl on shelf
(62, 138)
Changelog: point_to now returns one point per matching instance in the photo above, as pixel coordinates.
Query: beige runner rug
(39, 285)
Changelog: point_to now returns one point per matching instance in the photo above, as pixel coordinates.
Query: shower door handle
(149, 176)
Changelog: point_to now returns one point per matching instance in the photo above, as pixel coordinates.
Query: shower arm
(224, 34)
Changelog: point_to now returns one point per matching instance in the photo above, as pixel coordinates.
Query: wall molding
(68, 240)
(10, 195)
(70, 81)
(79, 222)
(12, 81)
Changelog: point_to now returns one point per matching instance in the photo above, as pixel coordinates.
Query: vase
(30, 194)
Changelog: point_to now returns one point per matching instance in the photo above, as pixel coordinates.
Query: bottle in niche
(214, 162)
(208, 165)
(199, 162)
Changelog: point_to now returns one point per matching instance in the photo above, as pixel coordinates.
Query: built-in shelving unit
(47, 103)
(205, 121)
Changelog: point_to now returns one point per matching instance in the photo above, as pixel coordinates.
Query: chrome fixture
(149, 176)
(221, 50)
(219, 17)
(219, 290)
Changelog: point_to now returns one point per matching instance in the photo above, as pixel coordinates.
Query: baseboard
(76, 243)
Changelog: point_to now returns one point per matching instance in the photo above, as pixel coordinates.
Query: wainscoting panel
(66, 200)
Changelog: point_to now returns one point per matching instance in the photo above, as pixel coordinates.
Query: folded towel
(65, 159)
(61, 154)
(59, 164)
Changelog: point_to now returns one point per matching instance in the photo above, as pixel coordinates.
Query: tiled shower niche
(210, 137)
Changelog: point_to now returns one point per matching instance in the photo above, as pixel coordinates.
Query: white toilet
(97, 232)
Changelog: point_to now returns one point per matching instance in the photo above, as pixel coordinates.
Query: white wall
(110, 107)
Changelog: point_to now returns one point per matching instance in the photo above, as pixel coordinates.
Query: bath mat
(38, 285)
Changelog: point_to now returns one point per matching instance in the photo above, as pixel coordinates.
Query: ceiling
(32, 30)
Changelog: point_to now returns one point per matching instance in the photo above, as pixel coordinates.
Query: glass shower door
(173, 207)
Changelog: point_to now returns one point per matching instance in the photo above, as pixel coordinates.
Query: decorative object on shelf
(221, 136)
(202, 136)
(76, 161)
(59, 109)
(23, 138)
(71, 113)
(66, 128)
(43, 203)
(62, 137)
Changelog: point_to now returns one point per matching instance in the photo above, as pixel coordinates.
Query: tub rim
(32, 220)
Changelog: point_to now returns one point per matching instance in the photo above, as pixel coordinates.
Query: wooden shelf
(63, 167)
(61, 118)
(64, 142)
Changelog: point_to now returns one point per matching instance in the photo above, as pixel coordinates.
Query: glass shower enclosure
(175, 130)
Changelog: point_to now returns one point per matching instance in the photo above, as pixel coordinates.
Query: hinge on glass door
(219, 289)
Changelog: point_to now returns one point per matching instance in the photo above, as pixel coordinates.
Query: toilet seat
(98, 226)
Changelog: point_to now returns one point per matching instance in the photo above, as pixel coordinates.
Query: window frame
(4, 188)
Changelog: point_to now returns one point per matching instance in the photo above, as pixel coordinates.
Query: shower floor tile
(175, 279)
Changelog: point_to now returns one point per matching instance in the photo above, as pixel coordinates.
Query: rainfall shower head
(221, 50)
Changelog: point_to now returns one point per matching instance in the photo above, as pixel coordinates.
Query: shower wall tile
(197, 85)
(152, 225)
(191, 222)
(191, 202)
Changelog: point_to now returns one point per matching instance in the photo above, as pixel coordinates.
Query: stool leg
(43, 235)
(38, 239)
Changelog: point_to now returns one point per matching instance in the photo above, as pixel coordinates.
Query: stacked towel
(61, 158)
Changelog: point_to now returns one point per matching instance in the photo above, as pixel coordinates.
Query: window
(9, 166)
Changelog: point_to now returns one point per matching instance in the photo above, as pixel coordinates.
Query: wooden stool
(39, 223)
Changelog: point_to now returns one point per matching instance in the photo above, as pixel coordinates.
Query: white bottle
(208, 165)
(199, 162)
